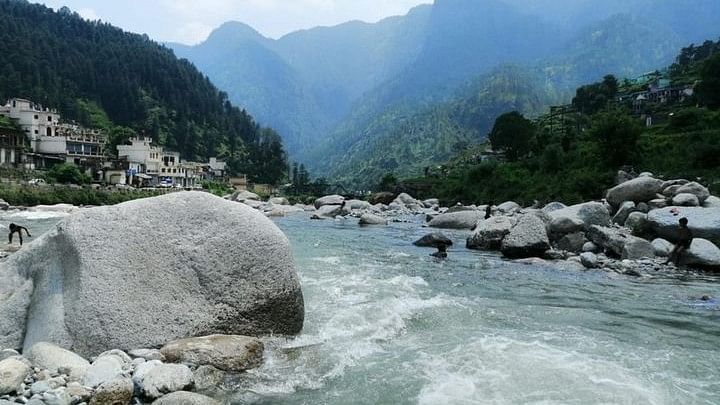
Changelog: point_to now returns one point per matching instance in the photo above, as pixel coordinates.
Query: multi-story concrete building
(53, 142)
(12, 142)
(34, 120)
(150, 165)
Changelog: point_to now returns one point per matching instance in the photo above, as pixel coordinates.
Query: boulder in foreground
(150, 271)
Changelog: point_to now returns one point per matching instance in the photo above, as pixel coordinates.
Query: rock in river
(528, 238)
(457, 220)
(150, 271)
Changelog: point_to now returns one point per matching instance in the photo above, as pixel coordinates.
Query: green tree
(388, 183)
(594, 97)
(708, 90)
(513, 134)
(617, 135)
(67, 173)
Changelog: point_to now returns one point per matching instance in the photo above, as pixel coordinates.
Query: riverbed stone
(329, 200)
(54, 358)
(328, 211)
(637, 248)
(433, 239)
(590, 247)
(60, 396)
(662, 247)
(279, 201)
(185, 398)
(656, 204)
(133, 275)
(224, 352)
(589, 260)
(637, 223)
(572, 242)
(165, 378)
(636, 190)
(490, 233)
(712, 202)
(242, 196)
(702, 253)
(370, 219)
(357, 205)
(115, 392)
(703, 222)
(528, 238)
(147, 354)
(431, 202)
(685, 200)
(103, 369)
(696, 189)
(622, 213)
(591, 213)
(457, 220)
(13, 372)
(553, 206)
(508, 207)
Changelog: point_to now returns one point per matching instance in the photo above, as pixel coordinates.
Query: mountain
(350, 90)
(63, 61)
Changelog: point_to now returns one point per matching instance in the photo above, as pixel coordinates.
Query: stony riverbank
(630, 231)
(180, 372)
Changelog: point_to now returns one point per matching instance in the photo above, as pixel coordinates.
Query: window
(49, 132)
(36, 116)
(36, 131)
(49, 118)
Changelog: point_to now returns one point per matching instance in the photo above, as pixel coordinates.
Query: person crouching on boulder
(17, 228)
(684, 240)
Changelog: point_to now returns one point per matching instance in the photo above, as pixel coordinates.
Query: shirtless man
(17, 228)
(684, 240)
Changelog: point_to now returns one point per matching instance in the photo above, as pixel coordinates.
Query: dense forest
(99, 75)
(572, 154)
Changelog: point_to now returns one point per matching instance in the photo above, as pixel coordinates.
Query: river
(388, 324)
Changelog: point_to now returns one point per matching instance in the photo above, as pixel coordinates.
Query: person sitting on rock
(17, 228)
(488, 211)
(442, 251)
(684, 240)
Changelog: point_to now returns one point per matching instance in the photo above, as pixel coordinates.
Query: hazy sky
(190, 21)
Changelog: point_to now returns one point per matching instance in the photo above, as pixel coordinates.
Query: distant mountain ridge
(333, 90)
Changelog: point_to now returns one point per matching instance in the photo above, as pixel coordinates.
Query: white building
(35, 120)
(152, 165)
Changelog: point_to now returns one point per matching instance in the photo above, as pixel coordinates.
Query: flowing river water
(387, 324)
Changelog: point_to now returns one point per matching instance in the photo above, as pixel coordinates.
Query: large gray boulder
(612, 240)
(528, 238)
(712, 202)
(637, 248)
(370, 219)
(579, 217)
(154, 270)
(696, 189)
(702, 253)
(637, 190)
(242, 196)
(703, 222)
(433, 239)
(490, 233)
(328, 211)
(329, 200)
(357, 205)
(228, 353)
(553, 206)
(117, 391)
(685, 200)
(508, 207)
(637, 223)
(457, 220)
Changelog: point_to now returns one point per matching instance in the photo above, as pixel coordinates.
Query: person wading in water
(17, 228)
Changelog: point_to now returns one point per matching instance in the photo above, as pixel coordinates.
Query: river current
(388, 324)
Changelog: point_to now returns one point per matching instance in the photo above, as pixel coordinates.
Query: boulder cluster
(636, 223)
(188, 371)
